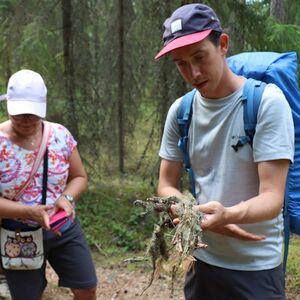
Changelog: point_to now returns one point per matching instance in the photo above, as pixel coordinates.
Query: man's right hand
(231, 230)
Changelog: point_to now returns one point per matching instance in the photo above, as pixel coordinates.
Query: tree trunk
(69, 67)
(7, 59)
(121, 87)
(164, 82)
(277, 10)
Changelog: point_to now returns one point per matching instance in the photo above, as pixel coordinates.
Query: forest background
(97, 59)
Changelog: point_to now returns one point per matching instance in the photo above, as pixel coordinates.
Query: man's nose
(195, 71)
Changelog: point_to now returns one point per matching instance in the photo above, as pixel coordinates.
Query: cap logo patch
(176, 25)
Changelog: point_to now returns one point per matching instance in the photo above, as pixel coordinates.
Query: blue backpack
(260, 68)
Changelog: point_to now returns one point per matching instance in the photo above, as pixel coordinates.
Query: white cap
(26, 94)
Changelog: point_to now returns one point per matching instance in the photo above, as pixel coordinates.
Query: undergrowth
(112, 224)
(293, 267)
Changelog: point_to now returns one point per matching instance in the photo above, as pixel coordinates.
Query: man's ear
(224, 43)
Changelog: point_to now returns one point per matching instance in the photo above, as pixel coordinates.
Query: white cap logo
(176, 25)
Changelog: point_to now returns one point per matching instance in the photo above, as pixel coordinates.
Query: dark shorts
(68, 255)
(208, 282)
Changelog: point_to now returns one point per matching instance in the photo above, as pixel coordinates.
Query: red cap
(187, 25)
(183, 41)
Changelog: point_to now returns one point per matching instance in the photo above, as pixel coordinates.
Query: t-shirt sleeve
(65, 137)
(169, 149)
(274, 136)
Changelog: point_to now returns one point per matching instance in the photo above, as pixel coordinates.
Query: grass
(112, 223)
(293, 267)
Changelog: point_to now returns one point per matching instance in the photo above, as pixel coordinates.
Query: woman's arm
(77, 180)
(76, 184)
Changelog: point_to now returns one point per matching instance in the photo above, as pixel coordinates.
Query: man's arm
(169, 178)
(265, 206)
(168, 185)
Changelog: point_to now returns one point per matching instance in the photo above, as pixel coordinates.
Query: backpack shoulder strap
(184, 116)
(185, 112)
(252, 94)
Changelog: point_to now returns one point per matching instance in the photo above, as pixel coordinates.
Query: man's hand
(237, 232)
(214, 214)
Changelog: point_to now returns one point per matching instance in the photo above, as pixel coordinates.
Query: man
(244, 187)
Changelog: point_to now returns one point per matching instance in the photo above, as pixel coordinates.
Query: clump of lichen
(171, 246)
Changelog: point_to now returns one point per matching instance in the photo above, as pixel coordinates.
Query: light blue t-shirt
(230, 177)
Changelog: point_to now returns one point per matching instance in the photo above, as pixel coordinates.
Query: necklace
(30, 141)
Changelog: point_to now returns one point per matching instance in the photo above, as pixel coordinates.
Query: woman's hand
(63, 204)
(40, 214)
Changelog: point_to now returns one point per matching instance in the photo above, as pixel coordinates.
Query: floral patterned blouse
(16, 164)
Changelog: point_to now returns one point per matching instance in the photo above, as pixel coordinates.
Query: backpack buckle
(241, 142)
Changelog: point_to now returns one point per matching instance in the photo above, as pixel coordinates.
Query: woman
(20, 140)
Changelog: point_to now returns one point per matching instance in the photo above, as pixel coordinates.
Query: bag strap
(251, 97)
(45, 177)
(38, 159)
(184, 116)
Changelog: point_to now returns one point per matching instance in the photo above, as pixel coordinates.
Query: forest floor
(120, 282)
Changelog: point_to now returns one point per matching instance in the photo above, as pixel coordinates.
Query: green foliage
(32, 37)
(293, 266)
(111, 222)
(282, 37)
(292, 8)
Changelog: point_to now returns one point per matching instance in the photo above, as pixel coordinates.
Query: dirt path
(118, 283)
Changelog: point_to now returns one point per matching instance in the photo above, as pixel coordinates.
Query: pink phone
(60, 221)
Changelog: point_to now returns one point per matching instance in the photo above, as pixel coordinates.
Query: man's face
(202, 65)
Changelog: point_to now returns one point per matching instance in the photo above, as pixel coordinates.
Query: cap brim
(27, 107)
(183, 41)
